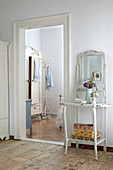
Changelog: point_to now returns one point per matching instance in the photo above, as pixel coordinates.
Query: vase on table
(88, 95)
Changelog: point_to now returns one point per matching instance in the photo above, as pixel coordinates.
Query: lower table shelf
(96, 142)
(85, 142)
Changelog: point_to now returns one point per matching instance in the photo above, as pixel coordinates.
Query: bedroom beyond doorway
(44, 58)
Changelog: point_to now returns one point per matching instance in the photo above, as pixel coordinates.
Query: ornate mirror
(91, 64)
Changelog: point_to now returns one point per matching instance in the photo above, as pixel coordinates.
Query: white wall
(52, 49)
(33, 38)
(91, 28)
(49, 41)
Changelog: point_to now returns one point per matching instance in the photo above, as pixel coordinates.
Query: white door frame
(19, 65)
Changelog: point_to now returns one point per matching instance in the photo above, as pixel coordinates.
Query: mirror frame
(79, 68)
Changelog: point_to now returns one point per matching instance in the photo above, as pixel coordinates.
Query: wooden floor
(46, 130)
(18, 155)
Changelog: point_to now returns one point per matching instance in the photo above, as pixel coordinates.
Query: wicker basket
(84, 133)
(85, 138)
(84, 130)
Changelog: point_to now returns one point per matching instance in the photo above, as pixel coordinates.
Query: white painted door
(3, 91)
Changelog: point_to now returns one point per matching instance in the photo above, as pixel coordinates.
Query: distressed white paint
(91, 29)
(33, 38)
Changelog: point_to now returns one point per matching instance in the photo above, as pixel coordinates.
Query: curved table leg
(105, 129)
(77, 144)
(65, 128)
(95, 132)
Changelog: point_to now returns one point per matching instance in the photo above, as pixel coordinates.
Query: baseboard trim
(91, 147)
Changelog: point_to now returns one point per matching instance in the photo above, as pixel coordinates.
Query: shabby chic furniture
(33, 60)
(90, 64)
(94, 111)
(4, 133)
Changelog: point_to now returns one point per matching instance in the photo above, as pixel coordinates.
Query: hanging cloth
(49, 80)
(37, 76)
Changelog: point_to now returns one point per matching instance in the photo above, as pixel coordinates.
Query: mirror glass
(92, 66)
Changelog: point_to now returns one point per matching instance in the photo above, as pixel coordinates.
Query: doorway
(45, 49)
(19, 65)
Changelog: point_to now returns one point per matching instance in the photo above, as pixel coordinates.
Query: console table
(96, 142)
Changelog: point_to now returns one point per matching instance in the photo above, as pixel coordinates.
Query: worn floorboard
(18, 155)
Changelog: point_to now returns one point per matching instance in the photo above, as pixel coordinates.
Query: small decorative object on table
(89, 85)
(94, 96)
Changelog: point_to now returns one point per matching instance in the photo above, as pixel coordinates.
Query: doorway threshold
(44, 141)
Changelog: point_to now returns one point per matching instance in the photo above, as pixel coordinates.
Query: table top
(73, 104)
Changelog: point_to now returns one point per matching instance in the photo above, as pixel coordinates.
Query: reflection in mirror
(92, 67)
(91, 64)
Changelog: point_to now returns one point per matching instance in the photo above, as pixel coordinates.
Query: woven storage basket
(84, 130)
(84, 133)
